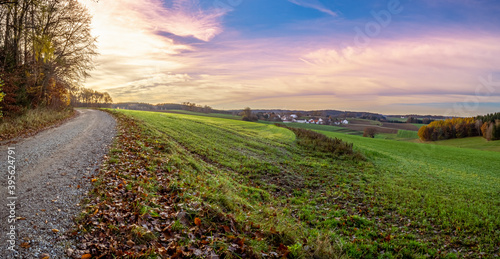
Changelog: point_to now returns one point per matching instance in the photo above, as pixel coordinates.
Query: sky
(385, 56)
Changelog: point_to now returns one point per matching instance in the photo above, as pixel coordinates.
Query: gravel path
(54, 170)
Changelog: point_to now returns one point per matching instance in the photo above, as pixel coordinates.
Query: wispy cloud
(132, 41)
(314, 4)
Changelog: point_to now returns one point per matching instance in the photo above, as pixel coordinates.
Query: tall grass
(31, 121)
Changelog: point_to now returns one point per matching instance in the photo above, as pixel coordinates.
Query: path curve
(54, 170)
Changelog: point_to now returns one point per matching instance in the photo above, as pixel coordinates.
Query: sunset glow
(382, 56)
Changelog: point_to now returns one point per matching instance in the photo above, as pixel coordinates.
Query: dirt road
(53, 172)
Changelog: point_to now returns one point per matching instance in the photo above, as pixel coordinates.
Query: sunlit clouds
(187, 50)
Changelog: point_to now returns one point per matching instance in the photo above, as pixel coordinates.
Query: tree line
(188, 106)
(486, 126)
(46, 50)
(84, 97)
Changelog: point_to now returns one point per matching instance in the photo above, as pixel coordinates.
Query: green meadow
(402, 200)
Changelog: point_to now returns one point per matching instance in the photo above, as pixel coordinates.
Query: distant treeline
(492, 117)
(84, 97)
(487, 126)
(411, 119)
(186, 106)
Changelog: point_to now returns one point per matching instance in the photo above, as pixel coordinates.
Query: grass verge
(32, 122)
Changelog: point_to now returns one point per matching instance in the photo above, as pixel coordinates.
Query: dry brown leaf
(86, 256)
(197, 222)
(25, 245)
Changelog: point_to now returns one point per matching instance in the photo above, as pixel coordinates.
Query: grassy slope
(322, 127)
(419, 176)
(214, 115)
(474, 143)
(408, 134)
(458, 188)
(412, 203)
(433, 177)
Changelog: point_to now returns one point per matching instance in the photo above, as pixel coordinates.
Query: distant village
(298, 118)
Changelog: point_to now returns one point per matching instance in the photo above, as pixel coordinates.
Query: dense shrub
(319, 142)
(369, 132)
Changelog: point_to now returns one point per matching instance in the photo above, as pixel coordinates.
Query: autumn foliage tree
(370, 132)
(449, 129)
(46, 48)
(490, 128)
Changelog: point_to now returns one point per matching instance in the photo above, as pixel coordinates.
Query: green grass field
(214, 115)
(408, 200)
(407, 134)
(473, 143)
(419, 125)
(397, 119)
(456, 189)
(322, 127)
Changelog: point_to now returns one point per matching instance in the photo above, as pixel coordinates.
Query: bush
(319, 142)
(247, 115)
(370, 132)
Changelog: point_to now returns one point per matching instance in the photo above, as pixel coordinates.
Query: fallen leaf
(25, 245)
(197, 222)
(86, 256)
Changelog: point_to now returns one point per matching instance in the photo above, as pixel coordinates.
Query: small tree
(370, 132)
(247, 115)
(484, 129)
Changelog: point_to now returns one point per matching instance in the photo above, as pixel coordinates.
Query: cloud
(314, 4)
(137, 39)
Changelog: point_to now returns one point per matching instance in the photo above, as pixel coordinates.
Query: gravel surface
(54, 170)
